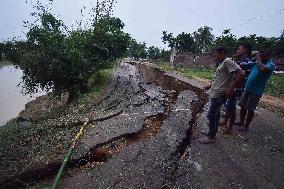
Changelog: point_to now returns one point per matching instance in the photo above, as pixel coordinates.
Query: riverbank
(145, 134)
(37, 140)
(12, 101)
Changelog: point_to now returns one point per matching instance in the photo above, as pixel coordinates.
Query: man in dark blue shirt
(254, 88)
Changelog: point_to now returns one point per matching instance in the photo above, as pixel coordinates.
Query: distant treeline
(200, 41)
(203, 41)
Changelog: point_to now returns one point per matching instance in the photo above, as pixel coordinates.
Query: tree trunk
(73, 95)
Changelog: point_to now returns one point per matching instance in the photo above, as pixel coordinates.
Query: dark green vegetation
(275, 85)
(183, 42)
(138, 50)
(198, 42)
(203, 41)
(62, 60)
(1, 50)
(230, 41)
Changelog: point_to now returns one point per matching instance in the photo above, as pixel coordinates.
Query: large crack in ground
(154, 159)
(196, 107)
(122, 100)
(151, 127)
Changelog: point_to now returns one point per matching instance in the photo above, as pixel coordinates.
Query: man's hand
(257, 57)
(239, 75)
(260, 64)
(207, 87)
(229, 92)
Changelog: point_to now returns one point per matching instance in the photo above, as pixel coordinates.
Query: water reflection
(12, 101)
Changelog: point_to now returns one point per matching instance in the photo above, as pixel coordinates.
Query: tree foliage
(56, 58)
(227, 40)
(203, 40)
(137, 50)
(182, 42)
(165, 55)
(153, 53)
(1, 50)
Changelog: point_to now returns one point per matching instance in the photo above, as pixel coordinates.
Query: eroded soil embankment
(146, 106)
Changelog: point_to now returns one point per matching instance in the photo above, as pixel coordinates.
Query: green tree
(55, 58)
(203, 40)
(137, 50)
(165, 55)
(169, 39)
(153, 53)
(183, 42)
(227, 40)
(13, 50)
(260, 43)
(251, 39)
(1, 50)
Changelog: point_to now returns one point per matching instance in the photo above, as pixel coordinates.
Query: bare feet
(206, 140)
(227, 131)
(243, 129)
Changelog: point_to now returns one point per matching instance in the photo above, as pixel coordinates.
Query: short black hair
(266, 52)
(221, 50)
(248, 47)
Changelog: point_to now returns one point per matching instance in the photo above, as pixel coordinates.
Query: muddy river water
(12, 101)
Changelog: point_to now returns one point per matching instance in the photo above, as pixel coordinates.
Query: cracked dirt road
(141, 145)
(143, 135)
(151, 143)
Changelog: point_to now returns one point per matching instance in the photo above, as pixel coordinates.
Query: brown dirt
(273, 103)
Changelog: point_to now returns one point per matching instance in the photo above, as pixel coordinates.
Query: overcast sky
(146, 19)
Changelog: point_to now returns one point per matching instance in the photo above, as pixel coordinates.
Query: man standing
(228, 75)
(254, 88)
(242, 58)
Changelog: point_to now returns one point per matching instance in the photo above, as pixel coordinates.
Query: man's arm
(262, 67)
(207, 87)
(239, 75)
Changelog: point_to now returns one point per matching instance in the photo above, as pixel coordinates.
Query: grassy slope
(42, 143)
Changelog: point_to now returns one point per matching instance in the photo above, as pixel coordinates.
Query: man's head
(219, 54)
(265, 55)
(244, 49)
